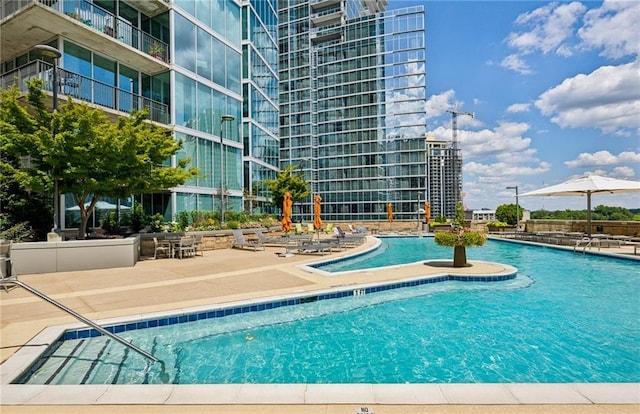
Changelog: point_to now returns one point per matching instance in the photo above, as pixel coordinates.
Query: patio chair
(162, 248)
(299, 229)
(186, 247)
(328, 229)
(310, 228)
(240, 242)
(199, 244)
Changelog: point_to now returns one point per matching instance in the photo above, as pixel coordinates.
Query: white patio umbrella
(591, 184)
(101, 205)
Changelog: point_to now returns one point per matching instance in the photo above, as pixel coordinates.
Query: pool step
(76, 360)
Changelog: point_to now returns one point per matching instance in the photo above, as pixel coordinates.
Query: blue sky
(555, 87)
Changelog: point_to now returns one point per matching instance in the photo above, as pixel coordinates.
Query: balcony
(116, 101)
(32, 22)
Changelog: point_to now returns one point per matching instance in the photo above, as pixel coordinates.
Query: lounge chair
(240, 242)
(308, 246)
(310, 228)
(299, 229)
(328, 229)
(348, 238)
(274, 241)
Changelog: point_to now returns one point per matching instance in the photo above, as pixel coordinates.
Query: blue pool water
(566, 318)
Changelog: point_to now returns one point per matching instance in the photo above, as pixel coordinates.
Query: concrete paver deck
(220, 277)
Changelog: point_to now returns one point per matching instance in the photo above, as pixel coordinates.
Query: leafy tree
(288, 180)
(90, 156)
(23, 195)
(599, 213)
(507, 213)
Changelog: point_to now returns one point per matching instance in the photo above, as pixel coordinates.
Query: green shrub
(110, 223)
(156, 222)
(139, 218)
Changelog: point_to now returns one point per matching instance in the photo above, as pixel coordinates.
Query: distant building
(481, 215)
(444, 188)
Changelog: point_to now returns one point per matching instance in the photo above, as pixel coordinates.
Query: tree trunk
(82, 230)
(459, 256)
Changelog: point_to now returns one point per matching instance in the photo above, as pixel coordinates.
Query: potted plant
(156, 50)
(460, 238)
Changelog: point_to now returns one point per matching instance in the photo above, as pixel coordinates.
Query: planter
(459, 256)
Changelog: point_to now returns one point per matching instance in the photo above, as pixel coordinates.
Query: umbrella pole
(589, 213)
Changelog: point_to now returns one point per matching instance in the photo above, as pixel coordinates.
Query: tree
(507, 213)
(288, 180)
(459, 238)
(92, 157)
(24, 198)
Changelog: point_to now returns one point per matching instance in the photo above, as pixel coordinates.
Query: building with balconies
(183, 61)
(352, 106)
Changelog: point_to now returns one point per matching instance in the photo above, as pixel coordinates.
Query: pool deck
(230, 276)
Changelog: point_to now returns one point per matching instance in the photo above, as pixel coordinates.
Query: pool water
(566, 317)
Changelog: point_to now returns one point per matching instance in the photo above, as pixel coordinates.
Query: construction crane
(454, 124)
(456, 158)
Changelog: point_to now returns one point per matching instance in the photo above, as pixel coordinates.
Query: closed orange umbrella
(389, 212)
(286, 212)
(427, 212)
(317, 221)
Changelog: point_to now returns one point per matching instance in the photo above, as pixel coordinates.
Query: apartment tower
(205, 69)
(352, 106)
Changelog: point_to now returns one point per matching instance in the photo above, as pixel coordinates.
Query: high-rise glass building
(205, 69)
(260, 108)
(444, 181)
(352, 106)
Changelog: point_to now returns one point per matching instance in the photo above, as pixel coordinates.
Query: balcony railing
(100, 20)
(85, 89)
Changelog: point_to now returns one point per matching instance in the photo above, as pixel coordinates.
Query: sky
(554, 87)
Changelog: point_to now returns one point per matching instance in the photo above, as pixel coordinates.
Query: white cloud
(623, 172)
(548, 28)
(437, 105)
(603, 158)
(607, 98)
(516, 64)
(519, 107)
(612, 27)
(502, 171)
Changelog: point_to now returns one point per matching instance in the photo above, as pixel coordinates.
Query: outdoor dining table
(174, 243)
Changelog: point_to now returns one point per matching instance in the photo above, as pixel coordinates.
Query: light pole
(515, 187)
(223, 169)
(52, 52)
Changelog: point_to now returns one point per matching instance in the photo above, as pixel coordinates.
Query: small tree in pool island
(460, 238)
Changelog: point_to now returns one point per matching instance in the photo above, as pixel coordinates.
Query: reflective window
(185, 41)
(185, 105)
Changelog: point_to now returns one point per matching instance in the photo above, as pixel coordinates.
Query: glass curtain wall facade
(188, 75)
(207, 85)
(352, 106)
(260, 107)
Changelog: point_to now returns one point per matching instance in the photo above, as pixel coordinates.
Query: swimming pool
(562, 329)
